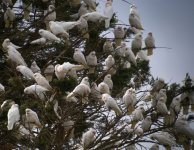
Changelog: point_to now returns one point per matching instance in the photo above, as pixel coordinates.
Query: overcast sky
(172, 25)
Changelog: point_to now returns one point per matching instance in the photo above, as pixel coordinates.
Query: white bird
(37, 91)
(136, 44)
(9, 18)
(129, 99)
(134, 11)
(6, 105)
(120, 50)
(79, 57)
(133, 30)
(111, 104)
(135, 22)
(146, 124)
(138, 131)
(83, 9)
(108, 46)
(83, 27)
(82, 90)
(109, 62)
(15, 56)
(137, 115)
(88, 138)
(108, 11)
(130, 56)
(26, 72)
(154, 147)
(161, 94)
(119, 34)
(91, 4)
(13, 116)
(91, 60)
(50, 15)
(57, 29)
(34, 67)
(62, 70)
(164, 138)
(150, 43)
(95, 93)
(158, 84)
(40, 41)
(103, 88)
(94, 16)
(48, 35)
(68, 25)
(161, 107)
(108, 81)
(32, 117)
(2, 88)
(7, 42)
(142, 55)
(41, 80)
(49, 71)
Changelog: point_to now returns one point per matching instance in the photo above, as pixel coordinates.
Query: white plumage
(91, 4)
(88, 137)
(103, 88)
(108, 11)
(109, 62)
(2, 88)
(48, 35)
(108, 46)
(135, 22)
(26, 72)
(134, 11)
(37, 91)
(50, 15)
(7, 43)
(150, 43)
(111, 104)
(79, 57)
(136, 44)
(108, 81)
(48, 72)
(9, 17)
(146, 124)
(32, 117)
(161, 107)
(130, 56)
(13, 116)
(40, 41)
(41, 80)
(91, 59)
(68, 25)
(94, 16)
(142, 55)
(34, 67)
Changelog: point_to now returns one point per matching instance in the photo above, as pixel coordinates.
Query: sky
(171, 23)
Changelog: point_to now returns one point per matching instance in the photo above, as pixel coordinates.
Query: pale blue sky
(171, 23)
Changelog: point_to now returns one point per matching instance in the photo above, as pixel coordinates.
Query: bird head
(14, 105)
(150, 33)
(41, 31)
(93, 53)
(18, 67)
(108, 76)
(7, 41)
(28, 110)
(51, 8)
(37, 75)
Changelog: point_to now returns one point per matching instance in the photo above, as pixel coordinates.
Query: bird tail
(150, 52)
(70, 95)
(10, 126)
(130, 109)
(107, 23)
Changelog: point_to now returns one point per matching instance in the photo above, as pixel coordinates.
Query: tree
(89, 116)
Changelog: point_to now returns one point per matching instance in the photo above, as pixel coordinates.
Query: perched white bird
(130, 56)
(108, 81)
(34, 67)
(94, 16)
(158, 84)
(13, 116)
(138, 131)
(137, 115)
(146, 124)
(142, 55)
(50, 15)
(150, 43)
(15, 56)
(62, 70)
(6, 105)
(91, 4)
(120, 50)
(108, 11)
(164, 138)
(2, 88)
(136, 44)
(135, 22)
(119, 34)
(133, 30)
(82, 90)
(95, 93)
(68, 25)
(79, 57)
(32, 117)
(37, 91)
(129, 98)
(9, 18)
(83, 9)
(154, 147)
(103, 88)
(109, 62)
(91, 60)
(83, 27)
(161, 94)
(26, 72)
(108, 46)
(48, 72)
(7, 42)
(88, 138)
(134, 11)
(57, 29)
(161, 107)
(111, 104)
(41, 80)
(48, 35)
